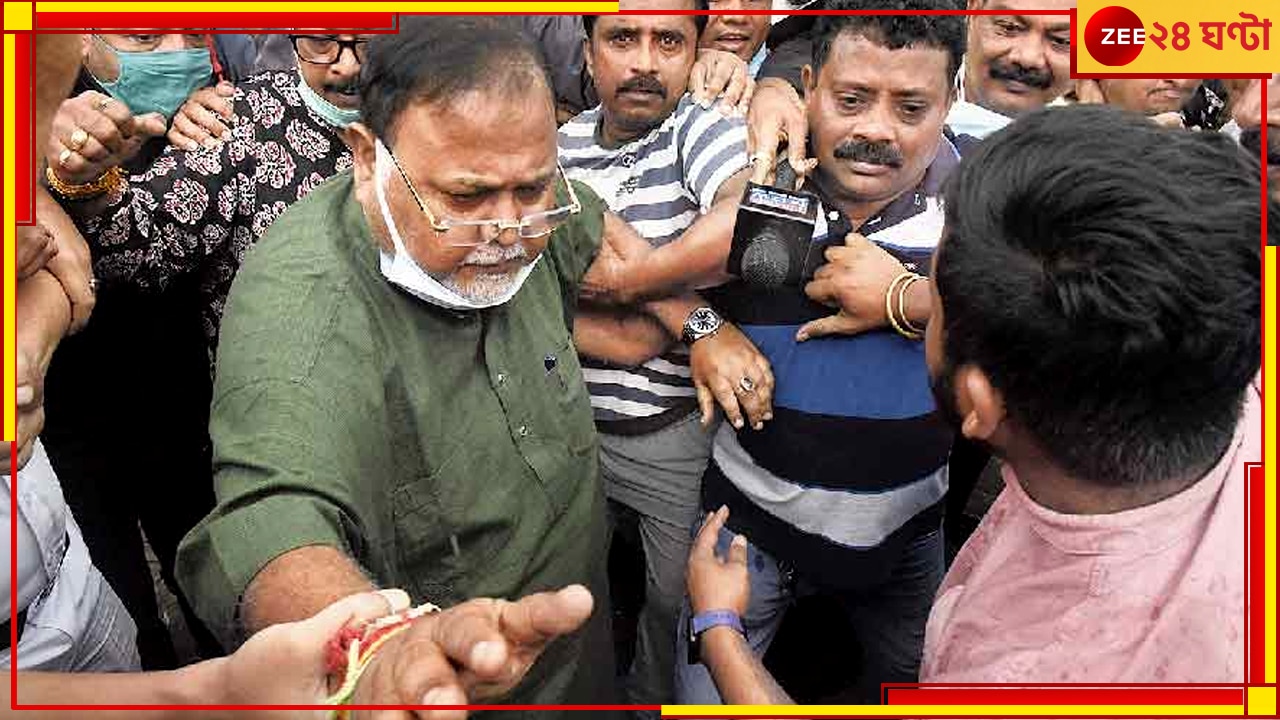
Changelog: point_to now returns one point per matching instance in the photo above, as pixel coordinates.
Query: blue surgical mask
(332, 114)
(159, 80)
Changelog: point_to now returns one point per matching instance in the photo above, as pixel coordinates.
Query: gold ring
(64, 156)
(78, 139)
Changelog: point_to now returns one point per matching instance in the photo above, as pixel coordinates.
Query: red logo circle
(1114, 36)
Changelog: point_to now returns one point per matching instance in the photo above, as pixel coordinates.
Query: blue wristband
(704, 621)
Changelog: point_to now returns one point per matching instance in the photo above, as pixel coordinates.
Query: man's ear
(86, 44)
(976, 4)
(364, 161)
(809, 81)
(981, 405)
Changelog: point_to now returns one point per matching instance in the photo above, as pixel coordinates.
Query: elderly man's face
(741, 35)
(876, 116)
(105, 65)
(1017, 63)
(331, 70)
(483, 155)
(1149, 97)
(640, 65)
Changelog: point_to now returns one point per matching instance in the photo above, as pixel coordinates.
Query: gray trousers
(659, 476)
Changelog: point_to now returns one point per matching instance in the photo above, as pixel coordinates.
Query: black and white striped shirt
(659, 184)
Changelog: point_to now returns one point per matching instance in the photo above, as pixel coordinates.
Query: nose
(643, 60)
(506, 210)
(1029, 52)
(876, 124)
(346, 65)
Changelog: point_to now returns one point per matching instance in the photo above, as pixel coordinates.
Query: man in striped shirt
(841, 493)
(660, 161)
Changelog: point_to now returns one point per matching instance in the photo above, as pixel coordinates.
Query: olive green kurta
(451, 454)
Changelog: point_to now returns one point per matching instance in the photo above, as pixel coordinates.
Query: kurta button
(502, 378)
(523, 431)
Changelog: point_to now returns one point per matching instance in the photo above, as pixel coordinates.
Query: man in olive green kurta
(398, 397)
(451, 454)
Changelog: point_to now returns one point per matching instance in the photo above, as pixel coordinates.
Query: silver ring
(747, 384)
(102, 103)
(93, 286)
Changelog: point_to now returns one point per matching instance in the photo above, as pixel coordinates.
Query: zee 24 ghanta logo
(1115, 35)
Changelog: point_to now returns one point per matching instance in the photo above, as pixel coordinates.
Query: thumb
(738, 550)
(838, 324)
(855, 239)
(797, 142)
(762, 162)
(353, 609)
(225, 89)
(1089, 92)
(150, 125)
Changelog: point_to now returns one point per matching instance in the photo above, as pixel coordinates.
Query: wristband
(352, 650)
(703, 622)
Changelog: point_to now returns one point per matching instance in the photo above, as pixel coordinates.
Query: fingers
(824, 290)
(468, 635)
(735, 88)
(536, 619)
(797, 130)
(422, 674)
(749, 92)
(355, 609)
(1089, 92)
(838, 324)
(197, 124)
(738, 551)
(728, 401)
(762, 163)
(756, 403)
(706, 404)
(188, 134)
(698, 80)
(704, 546)
(149, 125)
(720, 78)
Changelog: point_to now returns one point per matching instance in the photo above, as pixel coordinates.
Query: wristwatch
(702, 322)
(703, 622)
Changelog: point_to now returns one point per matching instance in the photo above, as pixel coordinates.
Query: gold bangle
(888, 304)
(108, 181)
(902, 306)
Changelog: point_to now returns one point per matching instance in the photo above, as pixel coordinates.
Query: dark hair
(589, 21)
(1105, 274)
(945, 32)
(437, 58)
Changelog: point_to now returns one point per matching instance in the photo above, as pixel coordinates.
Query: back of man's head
(437, 59)
(1104, 273)
(894, 32)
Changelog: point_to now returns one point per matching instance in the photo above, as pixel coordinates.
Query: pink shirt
(1154, 594)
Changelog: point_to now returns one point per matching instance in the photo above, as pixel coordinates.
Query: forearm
(192, 685)
(45, 311)
(737, 672)
(918, 303)
(696, 259)
(622, 337)
(298, 584)
(670, 313)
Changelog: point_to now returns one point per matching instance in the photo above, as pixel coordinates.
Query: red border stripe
(1257, 573)
(214, 20)
(24, 120)
(1064, 696)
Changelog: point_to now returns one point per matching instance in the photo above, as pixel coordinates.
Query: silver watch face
(701, 322)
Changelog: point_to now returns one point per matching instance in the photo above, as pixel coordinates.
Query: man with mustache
(1015, 63)
(660, 160)
(398, 397)
(842, 492)
(1094, 320)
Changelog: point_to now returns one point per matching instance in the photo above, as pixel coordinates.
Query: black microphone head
(766, 261)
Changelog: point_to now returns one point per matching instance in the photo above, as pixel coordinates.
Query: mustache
(1033, 77)
(494, 254)
(643, 83)
(875, 153)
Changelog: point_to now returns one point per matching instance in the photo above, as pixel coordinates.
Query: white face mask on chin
(404, 272)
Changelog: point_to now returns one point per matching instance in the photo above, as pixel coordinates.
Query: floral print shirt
(200, 211)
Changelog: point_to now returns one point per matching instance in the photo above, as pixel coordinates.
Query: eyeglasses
(470, 233)
(326, 49)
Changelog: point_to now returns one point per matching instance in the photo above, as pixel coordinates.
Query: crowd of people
(339, 324)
